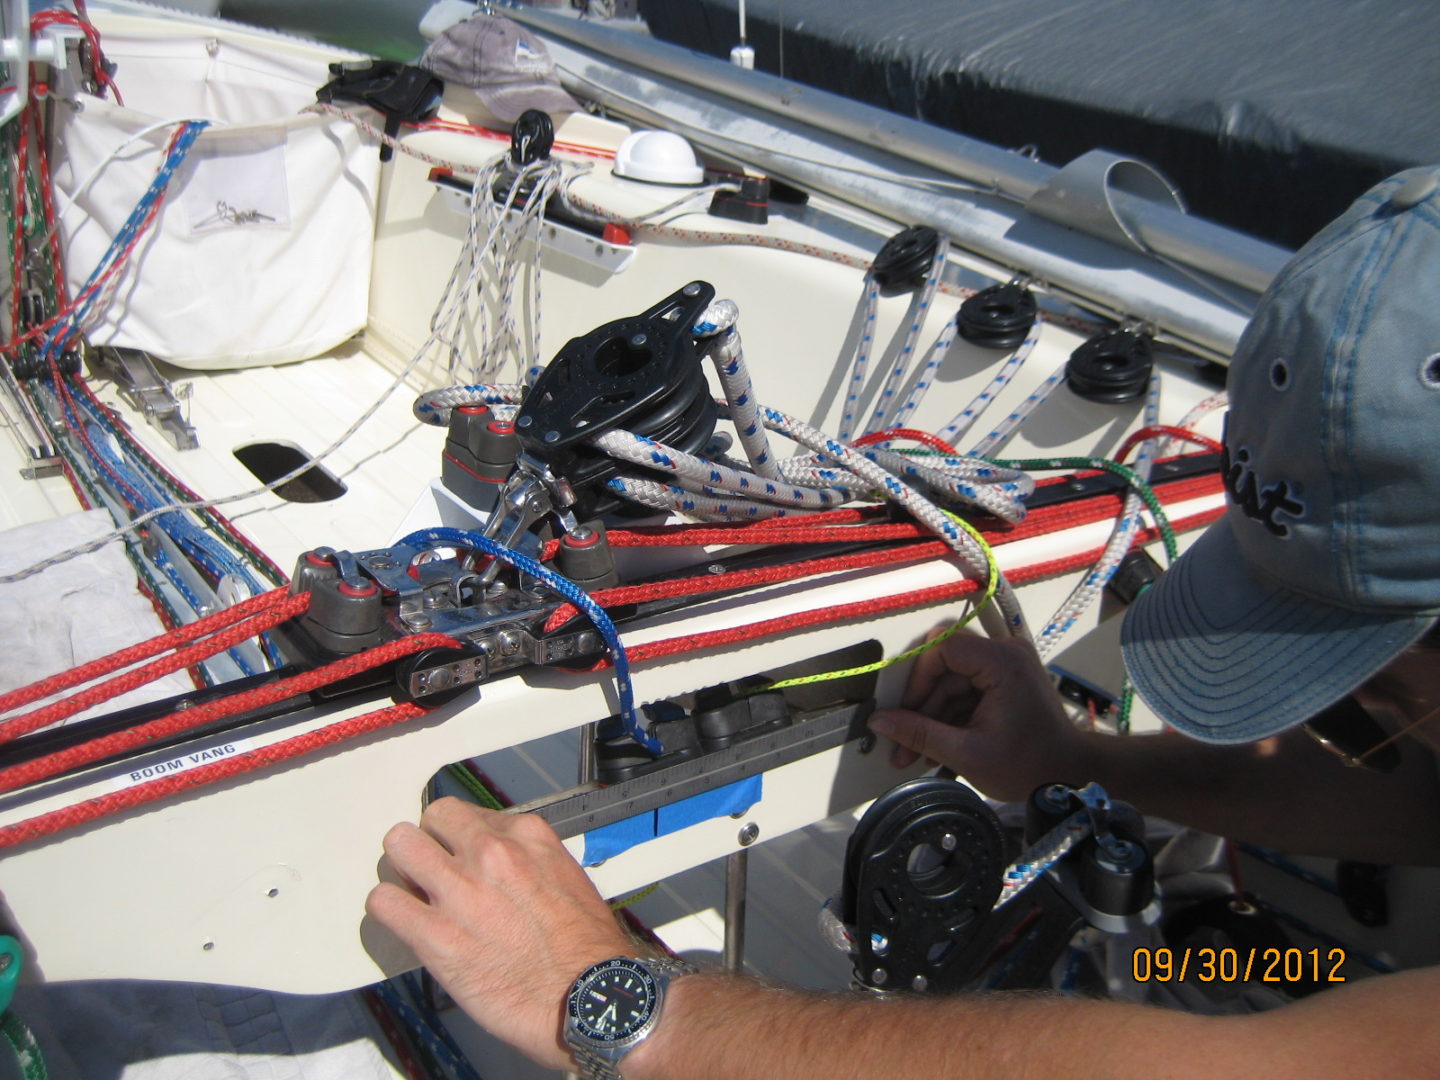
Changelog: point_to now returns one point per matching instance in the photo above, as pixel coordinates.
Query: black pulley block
(901, 265)
(922, 871)
(641, 374)
(999, 317)
(1113, 367)
(532, 137)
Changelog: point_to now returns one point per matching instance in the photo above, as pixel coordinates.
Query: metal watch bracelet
(593, 1065)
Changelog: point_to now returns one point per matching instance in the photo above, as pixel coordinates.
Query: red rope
(1166, 430)
(47, 206)
(114, 802)
(398, 1042)
(703, 584)
(1045, 520)
(66, 18)
(18, 202)
(41, 768)
(884, 605)
(924, 438)
(181, 658)
(143, 650)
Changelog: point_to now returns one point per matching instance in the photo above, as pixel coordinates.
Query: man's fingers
(918, 736)
(420, 858)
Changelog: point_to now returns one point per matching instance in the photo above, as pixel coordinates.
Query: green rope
(1132, 478)
(1127, 702)
(27, 1050)
(472, 785)
(1140, 487)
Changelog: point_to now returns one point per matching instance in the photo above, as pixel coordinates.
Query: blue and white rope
(441, 537)
(860, 362)
(919, 309)
(995, 441)
(717, 328)
(926, 378)
(955, 430)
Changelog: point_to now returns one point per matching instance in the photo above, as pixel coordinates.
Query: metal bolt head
(867, 743)
(524, 421)
(748, 834)
(878, 976)
(552, 436)
(948, 842)
(691, 290)
(919, 983)
(638, 340)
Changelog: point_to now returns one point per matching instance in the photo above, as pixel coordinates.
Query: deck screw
(748, 834)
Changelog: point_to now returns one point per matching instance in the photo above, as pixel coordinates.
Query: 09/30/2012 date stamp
(1227, 965)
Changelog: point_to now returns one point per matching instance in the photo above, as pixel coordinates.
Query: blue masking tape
(611, 840)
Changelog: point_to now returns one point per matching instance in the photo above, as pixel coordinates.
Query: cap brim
(1225, 656)
(510, 102)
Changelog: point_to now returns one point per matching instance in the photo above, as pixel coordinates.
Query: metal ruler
(582, 809)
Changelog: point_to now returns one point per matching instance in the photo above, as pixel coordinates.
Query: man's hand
(501, 914)
(985, 708)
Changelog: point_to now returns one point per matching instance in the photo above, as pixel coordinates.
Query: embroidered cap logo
(1260, 504)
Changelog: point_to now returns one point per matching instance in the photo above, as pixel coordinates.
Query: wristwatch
(613, 1007)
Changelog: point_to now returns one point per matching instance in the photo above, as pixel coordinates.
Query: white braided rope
(993, 443)
(956, 428)
(926, 377)
(1122, 539)
(923, 510)
(860, 361)
(857, 470)
(717, 324)
(919, 309)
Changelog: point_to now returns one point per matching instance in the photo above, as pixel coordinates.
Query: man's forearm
(721, 1026)
(1287, 792)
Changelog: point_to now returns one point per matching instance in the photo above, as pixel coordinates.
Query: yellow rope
(992, 578)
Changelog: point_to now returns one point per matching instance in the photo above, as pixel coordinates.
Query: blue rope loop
(61, 335)
(571, 592)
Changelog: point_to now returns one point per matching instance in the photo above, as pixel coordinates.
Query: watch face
(613, 1001)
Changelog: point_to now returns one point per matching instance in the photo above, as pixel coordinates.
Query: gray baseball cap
(508, 68)
(1326, 564)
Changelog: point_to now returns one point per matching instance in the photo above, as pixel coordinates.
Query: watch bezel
(577, 1028)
